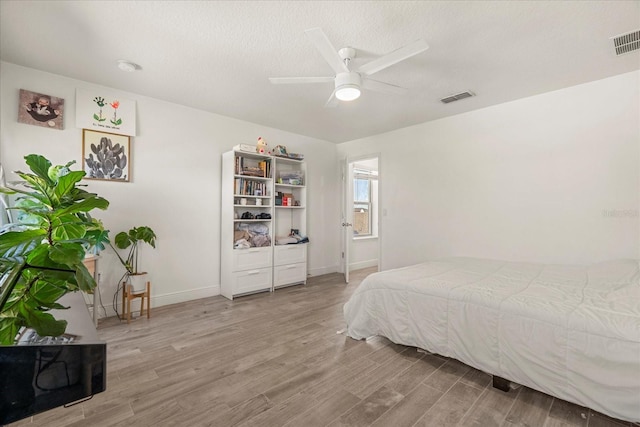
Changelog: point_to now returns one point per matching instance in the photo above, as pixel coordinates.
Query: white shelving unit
(251, 269)
(289, 260)
(248, 270)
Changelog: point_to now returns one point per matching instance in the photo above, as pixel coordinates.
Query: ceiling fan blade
(383, 87)
(394, 57)
(330, 54)
(332, 101)
(290, 80)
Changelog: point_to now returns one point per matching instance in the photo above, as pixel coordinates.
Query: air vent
(626, 43)
(457, 97)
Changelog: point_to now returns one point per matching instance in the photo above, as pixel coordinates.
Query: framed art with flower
(106, 156)
(104, 111)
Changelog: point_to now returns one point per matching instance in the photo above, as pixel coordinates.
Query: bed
(569, 331)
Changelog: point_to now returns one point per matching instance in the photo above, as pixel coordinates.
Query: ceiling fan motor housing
(349, 79)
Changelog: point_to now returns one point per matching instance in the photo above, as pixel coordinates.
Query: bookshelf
(263, 200)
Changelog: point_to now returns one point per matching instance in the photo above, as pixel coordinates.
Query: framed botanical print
(106, 156)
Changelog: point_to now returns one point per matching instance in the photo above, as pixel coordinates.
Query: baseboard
(323, 270)
(165, 299)
(363, 264)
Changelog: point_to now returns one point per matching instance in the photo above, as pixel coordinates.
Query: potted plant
(41, 256)
(131, 239)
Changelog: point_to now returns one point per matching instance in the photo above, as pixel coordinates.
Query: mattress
(569, 331)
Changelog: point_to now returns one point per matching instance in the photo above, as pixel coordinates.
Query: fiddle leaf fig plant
(41, 257)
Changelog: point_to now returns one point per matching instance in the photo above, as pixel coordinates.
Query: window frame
(364, 175)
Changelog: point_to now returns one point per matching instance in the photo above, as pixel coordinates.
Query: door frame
(347, 192)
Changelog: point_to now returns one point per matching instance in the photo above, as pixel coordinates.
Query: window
(362, 183)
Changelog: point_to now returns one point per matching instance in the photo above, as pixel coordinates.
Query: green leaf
(44, 189)
(86, 282)
(45, 294)
(145, 234)
(43, 323)
(122, 240)
(40, 166)
(66, 253)
(67, 227)
(97, 238)
(18, 243)
(68, 182)
(9, 327)
(85, 206)
(11, 269)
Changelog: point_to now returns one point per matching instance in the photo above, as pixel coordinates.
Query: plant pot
(138, 282)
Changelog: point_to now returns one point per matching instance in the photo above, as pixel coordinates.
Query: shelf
(248, 196)
(251, 206)
(257, 178)
(252, 220)
(289, 185)
(288, 159)
(289, 207)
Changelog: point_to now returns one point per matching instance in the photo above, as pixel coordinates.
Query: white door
(347, 216)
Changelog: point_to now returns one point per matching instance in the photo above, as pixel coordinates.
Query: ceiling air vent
(457, 97)
(626, 43)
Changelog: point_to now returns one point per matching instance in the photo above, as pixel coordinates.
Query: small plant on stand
(131, 240)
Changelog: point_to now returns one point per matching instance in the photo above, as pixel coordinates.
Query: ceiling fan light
(348, 92)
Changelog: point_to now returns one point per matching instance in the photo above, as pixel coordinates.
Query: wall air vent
(457, 97)
(626, 43)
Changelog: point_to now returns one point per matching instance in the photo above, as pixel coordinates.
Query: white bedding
(570, 331)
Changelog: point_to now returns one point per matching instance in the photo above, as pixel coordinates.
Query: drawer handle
(254, 250)
(289, 267)
(253, 272)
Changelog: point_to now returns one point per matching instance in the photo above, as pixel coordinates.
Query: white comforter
(569, 331)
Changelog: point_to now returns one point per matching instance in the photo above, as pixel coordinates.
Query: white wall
(535, 179)
(175, 186)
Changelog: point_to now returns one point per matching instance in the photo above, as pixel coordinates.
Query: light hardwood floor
(276, 360)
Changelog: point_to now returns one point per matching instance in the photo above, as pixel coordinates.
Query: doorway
(361, 214)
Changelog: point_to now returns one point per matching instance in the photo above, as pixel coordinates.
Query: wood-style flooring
(275, 359)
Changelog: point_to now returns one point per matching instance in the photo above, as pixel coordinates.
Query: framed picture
(106, 156)
(107, 112)
(40, 110)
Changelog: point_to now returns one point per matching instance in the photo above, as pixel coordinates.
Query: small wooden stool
(128, 295)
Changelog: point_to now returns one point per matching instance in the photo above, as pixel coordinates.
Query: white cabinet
(263, 202)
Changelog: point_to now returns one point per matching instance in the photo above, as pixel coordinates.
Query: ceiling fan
(348, 83)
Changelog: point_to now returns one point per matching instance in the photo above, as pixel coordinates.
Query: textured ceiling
(217, 56)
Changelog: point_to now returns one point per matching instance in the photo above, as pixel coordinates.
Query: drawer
(289, 274)
(289, 254)
(252, 281)
(252, 258)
